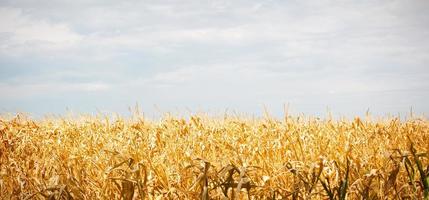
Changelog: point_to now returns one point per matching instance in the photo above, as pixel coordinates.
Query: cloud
(245, 52)
(22, 33)
(50, 89)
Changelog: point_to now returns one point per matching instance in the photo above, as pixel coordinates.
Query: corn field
(202, 157)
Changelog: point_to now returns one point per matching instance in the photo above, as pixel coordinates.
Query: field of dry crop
(98, 157)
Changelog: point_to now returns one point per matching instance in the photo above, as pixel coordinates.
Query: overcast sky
(181, 56)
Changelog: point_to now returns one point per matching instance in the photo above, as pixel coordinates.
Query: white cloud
(25, 34)
(93, 87)
(49, 89)
(255, 51)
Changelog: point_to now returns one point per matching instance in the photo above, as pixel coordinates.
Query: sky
(243, 56)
